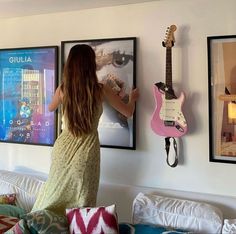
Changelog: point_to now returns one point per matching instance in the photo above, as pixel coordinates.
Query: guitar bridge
(169, 123)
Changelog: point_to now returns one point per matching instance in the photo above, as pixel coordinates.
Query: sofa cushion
(11, 210)
(177, 213)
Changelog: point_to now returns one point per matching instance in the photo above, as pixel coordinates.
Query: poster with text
(28, 79)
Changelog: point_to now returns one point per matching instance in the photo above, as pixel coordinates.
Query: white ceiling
(18, 8)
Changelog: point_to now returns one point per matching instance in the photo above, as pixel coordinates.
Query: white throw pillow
(25, 186)
(229, 226)
(177, 213)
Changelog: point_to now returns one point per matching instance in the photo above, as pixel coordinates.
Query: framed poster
(28, 77)
(116, 64)
(222, 98)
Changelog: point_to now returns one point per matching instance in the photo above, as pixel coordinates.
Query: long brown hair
(81, 89)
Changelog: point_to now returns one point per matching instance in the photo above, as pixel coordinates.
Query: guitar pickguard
(168, 119)
(171, 111)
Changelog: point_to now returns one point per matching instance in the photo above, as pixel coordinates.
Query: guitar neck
(169, 67)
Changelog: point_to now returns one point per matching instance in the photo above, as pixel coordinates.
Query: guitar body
(168, 119)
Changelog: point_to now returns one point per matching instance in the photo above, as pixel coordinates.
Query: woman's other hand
(134, 95)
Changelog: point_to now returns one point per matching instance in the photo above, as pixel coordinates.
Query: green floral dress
(74, 174)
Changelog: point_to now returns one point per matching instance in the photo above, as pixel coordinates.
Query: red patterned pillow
(6, 222)
(93, 220)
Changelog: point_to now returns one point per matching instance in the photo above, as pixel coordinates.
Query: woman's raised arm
(56, 100)
(115, 101)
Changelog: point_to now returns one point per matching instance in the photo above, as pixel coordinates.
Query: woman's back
(95, 122)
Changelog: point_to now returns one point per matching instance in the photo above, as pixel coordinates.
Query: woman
(74, 174)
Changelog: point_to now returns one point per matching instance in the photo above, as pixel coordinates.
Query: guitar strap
(167, 147)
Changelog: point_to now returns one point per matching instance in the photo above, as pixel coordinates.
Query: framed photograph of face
(222, 98)
(116, 65)
(28, 77)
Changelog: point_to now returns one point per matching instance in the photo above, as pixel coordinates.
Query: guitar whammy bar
(168, 119)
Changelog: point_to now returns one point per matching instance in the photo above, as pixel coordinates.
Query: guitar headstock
(169, 38)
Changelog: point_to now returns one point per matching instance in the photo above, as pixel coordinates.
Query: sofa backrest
(25, 186)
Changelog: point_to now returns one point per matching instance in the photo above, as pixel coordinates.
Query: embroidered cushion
(93, 220)
(6, 222)
(45, 221)
(8, 199)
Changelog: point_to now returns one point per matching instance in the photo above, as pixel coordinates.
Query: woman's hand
(127, 109)
(134, 95)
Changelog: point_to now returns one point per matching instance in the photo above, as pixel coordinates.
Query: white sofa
(27, 185)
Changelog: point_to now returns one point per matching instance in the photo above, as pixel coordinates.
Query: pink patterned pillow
(93, 220)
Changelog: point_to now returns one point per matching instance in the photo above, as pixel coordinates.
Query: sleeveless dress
(74, 174)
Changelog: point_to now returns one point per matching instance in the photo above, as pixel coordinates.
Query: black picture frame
(222, 98)
(116, 62)
(28, 78)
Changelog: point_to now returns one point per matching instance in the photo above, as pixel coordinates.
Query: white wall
(195, 20)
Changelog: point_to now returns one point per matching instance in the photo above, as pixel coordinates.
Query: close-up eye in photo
(121, 59)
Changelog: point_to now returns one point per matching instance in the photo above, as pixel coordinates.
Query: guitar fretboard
(168, 67)
(170, 93)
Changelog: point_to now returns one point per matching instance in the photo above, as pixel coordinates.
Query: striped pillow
(93, 220)
(6, 222)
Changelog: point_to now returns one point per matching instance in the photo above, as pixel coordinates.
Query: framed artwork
(222, 98)
(28, 77)
(116, 64)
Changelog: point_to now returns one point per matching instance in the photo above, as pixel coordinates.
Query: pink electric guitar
(168, 119)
